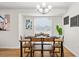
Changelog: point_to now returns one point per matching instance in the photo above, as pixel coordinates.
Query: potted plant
(59, 30)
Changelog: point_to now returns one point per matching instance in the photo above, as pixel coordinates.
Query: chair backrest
(48, 39)
(25, 39)
(36, 40)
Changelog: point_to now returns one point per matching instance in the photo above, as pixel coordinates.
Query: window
(43, 24)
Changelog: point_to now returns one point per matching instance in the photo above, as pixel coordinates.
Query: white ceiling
(29, 5)
(58, 8)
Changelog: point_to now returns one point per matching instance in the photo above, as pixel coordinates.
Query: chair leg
(27, 54)
(50, 53)
(53, 52)
(24, 50)
(33, 53)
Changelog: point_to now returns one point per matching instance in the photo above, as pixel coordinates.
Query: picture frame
(28, 24)
(4, 22)
(66, 20)
(74, 21)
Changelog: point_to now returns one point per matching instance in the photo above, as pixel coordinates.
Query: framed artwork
(66, 20)
(74, 21)
(4, 22)
(28, 24)
(78, 19)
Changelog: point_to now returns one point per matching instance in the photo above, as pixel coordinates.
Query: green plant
(59, 29)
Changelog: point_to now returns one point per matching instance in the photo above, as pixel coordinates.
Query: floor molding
(71, 51)
(11, 47)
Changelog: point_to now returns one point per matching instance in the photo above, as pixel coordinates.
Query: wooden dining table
(53, 39)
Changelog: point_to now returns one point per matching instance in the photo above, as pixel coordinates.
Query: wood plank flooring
(16, 53)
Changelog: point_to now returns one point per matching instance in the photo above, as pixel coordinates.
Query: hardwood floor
(16, 53)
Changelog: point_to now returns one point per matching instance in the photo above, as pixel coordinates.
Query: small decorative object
(28, 24)
(4, 22)
(66, 20)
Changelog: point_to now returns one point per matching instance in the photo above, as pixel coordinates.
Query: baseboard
(71, 51)
(11, 47)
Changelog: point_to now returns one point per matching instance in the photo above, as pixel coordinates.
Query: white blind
(43, 24)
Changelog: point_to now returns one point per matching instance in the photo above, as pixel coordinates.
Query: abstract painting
(28, 24)
(74, 21)
(66, 20)
(4, 22)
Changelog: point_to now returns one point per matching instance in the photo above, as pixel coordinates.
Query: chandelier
(44, 8)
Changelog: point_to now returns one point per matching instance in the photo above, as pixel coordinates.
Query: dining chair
(36, 43)
(43, 46)
(26, 45)
(57, 47)
(50, 43)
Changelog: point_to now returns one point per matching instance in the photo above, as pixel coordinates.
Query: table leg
(21, 49)
(62, 52)
(31, 52)
(31, 47)
(53, 49)
(42, 49)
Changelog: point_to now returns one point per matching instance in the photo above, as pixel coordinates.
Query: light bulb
(46, 10)
(43, 5)
(41, 10)
(38, 6)
(49, 7)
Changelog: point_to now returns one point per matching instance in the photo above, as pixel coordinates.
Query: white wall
(55, 20)
(10, 39)
(25, 13)
(71, 34)
(28, 32)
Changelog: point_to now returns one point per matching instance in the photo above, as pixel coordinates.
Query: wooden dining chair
(50, 43)
(57, 47)
(26, 45)
(36, 47)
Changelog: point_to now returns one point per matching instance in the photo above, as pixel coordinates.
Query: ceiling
(30, 5)
(58, 8)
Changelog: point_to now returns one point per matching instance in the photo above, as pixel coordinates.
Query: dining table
(52, 39)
